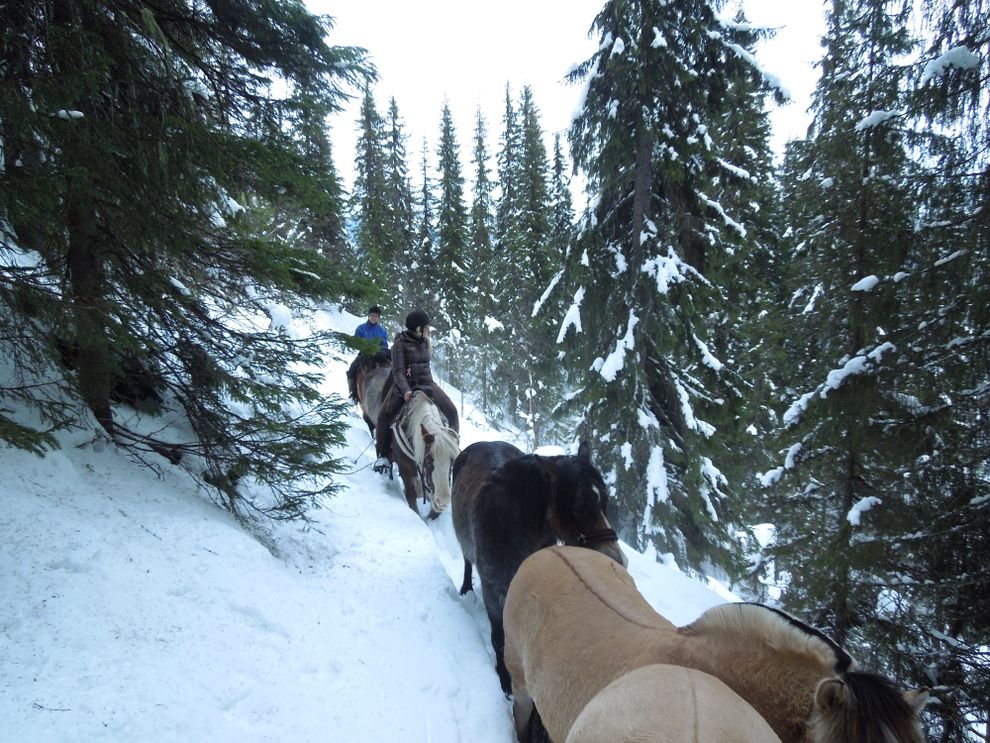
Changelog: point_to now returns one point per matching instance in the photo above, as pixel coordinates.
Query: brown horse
(669, 704)
(423, 446)
(564, 603)
(507, 505)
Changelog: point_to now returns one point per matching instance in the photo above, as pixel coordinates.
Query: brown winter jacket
(411, 363)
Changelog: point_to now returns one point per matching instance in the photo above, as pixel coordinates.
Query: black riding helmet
(416, 319)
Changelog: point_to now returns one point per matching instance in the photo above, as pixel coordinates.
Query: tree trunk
(94, 363)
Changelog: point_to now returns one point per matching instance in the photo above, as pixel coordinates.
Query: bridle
(596, 537)
(592, 538)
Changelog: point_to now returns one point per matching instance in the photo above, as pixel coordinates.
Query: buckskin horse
(661, 703)
(423, 446)
(506, 505)
(575, 622)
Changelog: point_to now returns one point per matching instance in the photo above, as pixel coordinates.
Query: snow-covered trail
(132, 609)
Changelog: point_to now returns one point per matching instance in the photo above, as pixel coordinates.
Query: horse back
(573, 613)
(472, 471)
(371, 394)
(662, 703)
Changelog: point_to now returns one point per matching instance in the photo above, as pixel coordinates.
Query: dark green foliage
(130, 133)
(450, 270)
(883, 497)
(369, 199)
(657, 142)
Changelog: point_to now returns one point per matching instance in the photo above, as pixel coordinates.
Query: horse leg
(493, 605)
(535, 731)
(466, 583)
(410, 480)
(523, 712)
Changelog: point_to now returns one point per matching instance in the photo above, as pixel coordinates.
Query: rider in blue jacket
(370, 330)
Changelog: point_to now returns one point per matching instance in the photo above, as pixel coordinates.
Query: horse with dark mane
(423, 445)
(370, 387)
(575, 622)
(507, 505)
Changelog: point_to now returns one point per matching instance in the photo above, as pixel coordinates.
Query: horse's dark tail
(535, 732)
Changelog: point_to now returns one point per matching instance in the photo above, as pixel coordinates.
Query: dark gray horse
(507, 505)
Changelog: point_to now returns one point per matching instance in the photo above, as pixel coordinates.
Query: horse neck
(779, 683)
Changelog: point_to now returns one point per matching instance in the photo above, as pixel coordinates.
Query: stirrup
(382, 465)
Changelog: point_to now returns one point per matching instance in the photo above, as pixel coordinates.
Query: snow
(960, 56)
(864, 505)
(666, 269)
(538, 305)
(616, 360)
(876, 119)
(865, 284)
(492, 325)
(951, 257)
(721, 211)
(131, 608)
(863, 363)
(573, 316)
(656, 479)
(707, 357)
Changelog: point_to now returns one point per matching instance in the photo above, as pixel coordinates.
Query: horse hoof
(434, 515)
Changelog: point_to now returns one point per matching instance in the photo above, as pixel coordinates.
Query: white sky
(464, 52)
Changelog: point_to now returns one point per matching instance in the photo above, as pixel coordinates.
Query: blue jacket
(370, 332)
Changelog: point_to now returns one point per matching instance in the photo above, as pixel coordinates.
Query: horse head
(435, 446)
(866, 708)
(577, 509)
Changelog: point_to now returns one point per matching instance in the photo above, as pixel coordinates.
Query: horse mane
(865, 707)
(424, 415)
(756, 623)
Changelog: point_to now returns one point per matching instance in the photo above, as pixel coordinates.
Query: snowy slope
(132, 609)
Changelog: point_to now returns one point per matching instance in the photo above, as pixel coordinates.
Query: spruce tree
(136, 140)
(450, 270)
(421, 289)
(642, 277)
(482, 294)
(848, 208)
(399, 233)
(877, 518)
(369, 199)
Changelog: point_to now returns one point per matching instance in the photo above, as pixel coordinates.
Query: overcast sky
(464, 52)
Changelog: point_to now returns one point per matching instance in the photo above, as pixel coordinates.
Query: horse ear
(831, 694)
(917, 698)
(584, 451)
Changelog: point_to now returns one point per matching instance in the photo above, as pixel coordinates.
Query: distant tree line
(803, 344)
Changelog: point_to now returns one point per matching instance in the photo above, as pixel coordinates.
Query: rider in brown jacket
(411, 352)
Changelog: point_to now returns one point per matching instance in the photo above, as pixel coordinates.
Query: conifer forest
(743, 340)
